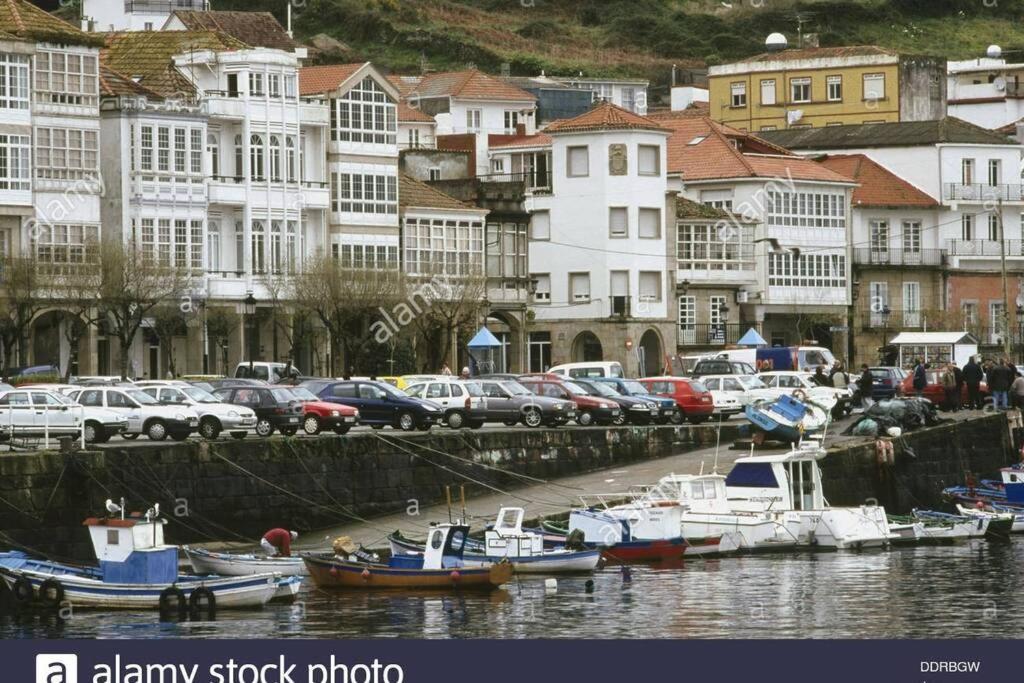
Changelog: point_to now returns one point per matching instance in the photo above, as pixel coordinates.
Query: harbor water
(969, 590)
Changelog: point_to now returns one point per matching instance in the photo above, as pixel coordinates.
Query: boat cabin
(1013, 484)
(507, 538)
(132, 550)
(790, 481)
(445, 545)
(637, 521)
(696, 492)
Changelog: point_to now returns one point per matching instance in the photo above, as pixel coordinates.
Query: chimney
(521, 129)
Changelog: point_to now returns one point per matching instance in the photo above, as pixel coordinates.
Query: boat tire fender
(51, 593)
(202, 601)
(173, 601)
(22, 589)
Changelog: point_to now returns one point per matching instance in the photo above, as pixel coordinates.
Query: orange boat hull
(331, 572)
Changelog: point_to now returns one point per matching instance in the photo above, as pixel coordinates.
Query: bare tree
(132, 284)
(280, 289)
(20, 285)
(76, 287)
(220, 323)
(450, 303)
(169, 321)
(350, 303)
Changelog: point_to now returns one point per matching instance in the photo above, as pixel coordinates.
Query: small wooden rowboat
(231, 564)
(440, 567)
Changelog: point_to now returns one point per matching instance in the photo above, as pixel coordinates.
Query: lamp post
(886, 312)
(249, 304)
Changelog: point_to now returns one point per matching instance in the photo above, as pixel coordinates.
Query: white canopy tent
(935, 347)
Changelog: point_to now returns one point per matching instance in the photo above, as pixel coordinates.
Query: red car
(590, 409)
(692, 397)
(318, 416)
(934, 391)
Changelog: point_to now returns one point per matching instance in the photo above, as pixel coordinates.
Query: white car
(463, 401)
(144, 413)
(215, 416)
(35, 412)
(746, 389)
(726, 405)
(802, 384)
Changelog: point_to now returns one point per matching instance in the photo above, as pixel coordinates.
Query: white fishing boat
(789, 485)
(235, 564)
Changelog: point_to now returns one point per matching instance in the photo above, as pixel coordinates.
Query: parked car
(796, 384)
(272, 373)
(321, 415)
(746, 389)
(887, 382)
(631, 409)
(62, 389)
(510, 402)
(215, 416)
(463, 402)
(101, 381)
(726, 405)
(275, 408)
(230, 383)
(722, 366)
(595, 369)
(934, 391)
(589, 409)
(667, 408)
(691, 396)
(380, 404)
(144, 414)
(33, 412)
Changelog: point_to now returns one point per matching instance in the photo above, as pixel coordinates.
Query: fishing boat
(927, 527)
(136, 570)
(441, 566)
(231, 564)
(1000, 524)
(507, 540)
(789, 485)
(786, 419)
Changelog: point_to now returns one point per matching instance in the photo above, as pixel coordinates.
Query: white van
(268, 372)
(596, 369)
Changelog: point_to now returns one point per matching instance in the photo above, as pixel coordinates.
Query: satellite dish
(776, 42)
(994, 52)
(794, 116)
(999, 83)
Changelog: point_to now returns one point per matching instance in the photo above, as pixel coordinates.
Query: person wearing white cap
(278, 542)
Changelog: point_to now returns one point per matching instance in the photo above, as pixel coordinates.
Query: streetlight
(249, 307)
(886, 312)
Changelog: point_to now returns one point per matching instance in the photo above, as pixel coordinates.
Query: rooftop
(114, 84)
(519, 141)
(797, 54)
(879, 187)
(258, 29)
(897, 134)
(146, 56)
(316, 80)
(604, 116)
(413, 115)
(467, 85)
(687, 208)
(23, 19)
(415, 194)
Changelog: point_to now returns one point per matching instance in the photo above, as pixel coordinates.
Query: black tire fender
(51, 593)
(173, 603)
(202, 600)
(23, 591)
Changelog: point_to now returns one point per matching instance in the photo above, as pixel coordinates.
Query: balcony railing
(893, 320)
(985, 248)
(867, 256)
(537, 182)
(712, 334)
(978, 192)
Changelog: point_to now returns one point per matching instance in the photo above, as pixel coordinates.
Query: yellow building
(814, 87)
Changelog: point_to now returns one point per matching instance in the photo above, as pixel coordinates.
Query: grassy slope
(637, 37)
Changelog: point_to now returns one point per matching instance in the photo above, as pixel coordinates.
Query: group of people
(1004, 381)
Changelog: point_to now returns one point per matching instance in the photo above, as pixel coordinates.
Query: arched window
(213, 151)
(291, 159)
(275, 158)
(275, 246)
(239, 167)
(259, 238)
(256, 158)
(291, 258)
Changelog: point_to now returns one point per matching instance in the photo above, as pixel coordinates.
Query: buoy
(589, 586)
(551, 585)
(455, 575)
(366, 575)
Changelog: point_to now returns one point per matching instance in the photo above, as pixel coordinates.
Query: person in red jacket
(278, 542)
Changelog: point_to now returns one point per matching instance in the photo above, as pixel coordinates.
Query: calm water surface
(963, 591)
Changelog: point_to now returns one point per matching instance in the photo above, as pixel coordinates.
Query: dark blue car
(380, 404)
(887, 382)
(667, 408)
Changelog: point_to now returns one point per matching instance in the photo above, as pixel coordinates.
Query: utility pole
(1002, 264)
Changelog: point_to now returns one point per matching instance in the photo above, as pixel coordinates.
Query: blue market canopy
(484, 340)
(751, 338)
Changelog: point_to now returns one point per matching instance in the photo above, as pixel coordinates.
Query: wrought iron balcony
(986, 248)
(712, 334)
(979, 192)
(536, 182)
(868, 256)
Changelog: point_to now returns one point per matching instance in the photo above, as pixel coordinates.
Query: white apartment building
(631, 95)
(988, 92)
(416, 130)
(598, 242)
(133, 15)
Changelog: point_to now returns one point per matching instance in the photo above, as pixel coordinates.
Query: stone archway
(651, 347)
(508, 330)
(586, 348)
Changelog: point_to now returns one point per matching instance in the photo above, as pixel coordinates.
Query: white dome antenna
(776, 42)
(994, 52)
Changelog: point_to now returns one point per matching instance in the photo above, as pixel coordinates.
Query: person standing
(973, 375)
(866, 385)
(1017, 392)
(948, 379)
(445, 370)
(920, 378)
(840, 380)
(958, 398)
(278, 542)
(999, 380)
(820, 378)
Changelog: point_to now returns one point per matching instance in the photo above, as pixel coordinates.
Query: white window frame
(649, 276)
(474, 120)
(583, 297)
(571, 161)
(614, 213)
(870, 81)
(801, 83)
(542, 294)
(738, 94)
(834, 88)
(648, 160)
(644, 215)
(540, 226)
(768, 94)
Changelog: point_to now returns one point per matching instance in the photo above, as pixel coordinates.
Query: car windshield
(142, 397)
(603, 389)
(635, 387)
(315, 387)
(575, 389)
(282, 395)
(60, 397)
(516, 389)
(304, 394)
(749, 382)
(199, 396)
(474, 389)
(698, 387)
(392, 391)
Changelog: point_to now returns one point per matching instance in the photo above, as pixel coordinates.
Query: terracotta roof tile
(316, 80)
(258, 29)
(24, 20)
(896, 134)
(687, 208)
(412, 115)
(467, 85)
(415, 194)
(604, 116)
(114, 84)
(146, 56)
(514, 141)
(878, 185)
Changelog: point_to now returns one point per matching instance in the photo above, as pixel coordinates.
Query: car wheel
(93, 433)
(456, 419)
(697, 419)
(620, 419)
(677, 417)
(406, 421)
(264, 427)
(533, 418)
(209, 428)
(289, 431)
(311, 425)
(341, 430)
(156, 430)
(238, 435)
(585, 418)
(130, 437)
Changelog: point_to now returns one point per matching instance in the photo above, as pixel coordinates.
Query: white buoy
(994, 52)
(550, 585)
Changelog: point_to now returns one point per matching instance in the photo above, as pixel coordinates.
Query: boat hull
(646, 551)
(331, 572)
(229, 564)
(754, 532)
(550, 562)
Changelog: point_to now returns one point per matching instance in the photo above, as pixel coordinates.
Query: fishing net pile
(906, 414)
